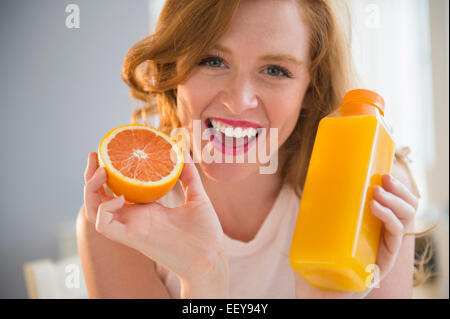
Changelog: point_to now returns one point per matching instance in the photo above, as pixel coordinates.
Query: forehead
(268, 26)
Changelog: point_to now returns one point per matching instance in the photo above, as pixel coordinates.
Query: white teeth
(236, 132)
(250, 132)
(229, 131)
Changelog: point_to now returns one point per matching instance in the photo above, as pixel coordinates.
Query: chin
(228, 172)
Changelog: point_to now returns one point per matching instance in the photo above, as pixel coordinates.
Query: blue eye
(277, 71)
(212, 62)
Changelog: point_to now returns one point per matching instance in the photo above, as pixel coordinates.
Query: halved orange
(141, 162)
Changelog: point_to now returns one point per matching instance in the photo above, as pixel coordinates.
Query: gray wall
(60, 92)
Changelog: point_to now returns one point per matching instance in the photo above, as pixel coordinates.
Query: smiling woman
(301, 58)
(237, 67)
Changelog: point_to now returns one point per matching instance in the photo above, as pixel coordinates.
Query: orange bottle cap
(360, 96)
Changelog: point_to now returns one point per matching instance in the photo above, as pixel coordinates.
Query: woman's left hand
(395, 205)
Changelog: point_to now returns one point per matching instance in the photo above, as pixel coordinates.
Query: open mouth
(231, 139)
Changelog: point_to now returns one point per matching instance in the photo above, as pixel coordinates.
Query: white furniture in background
(46, 279)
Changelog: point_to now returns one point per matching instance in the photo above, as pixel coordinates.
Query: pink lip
(237, 123)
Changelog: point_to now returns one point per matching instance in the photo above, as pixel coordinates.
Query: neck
(242, 206)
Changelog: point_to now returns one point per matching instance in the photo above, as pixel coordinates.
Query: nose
(239, 94)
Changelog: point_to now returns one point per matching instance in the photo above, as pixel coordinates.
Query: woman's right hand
(187, 239)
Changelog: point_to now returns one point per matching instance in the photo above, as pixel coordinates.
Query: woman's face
(258, 74)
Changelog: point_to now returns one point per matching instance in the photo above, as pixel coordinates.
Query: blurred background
(61, 92)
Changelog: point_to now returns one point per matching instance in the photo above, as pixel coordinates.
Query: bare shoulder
(112, 270)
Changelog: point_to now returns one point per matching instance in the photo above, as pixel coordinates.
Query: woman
(274, 64)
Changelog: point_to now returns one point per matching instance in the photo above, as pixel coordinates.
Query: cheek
(185, 104)
(193, 96)
(283, 113)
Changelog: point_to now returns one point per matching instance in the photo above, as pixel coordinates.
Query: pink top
(258, 268)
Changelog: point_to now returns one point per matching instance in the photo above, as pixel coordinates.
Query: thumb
(190, 181)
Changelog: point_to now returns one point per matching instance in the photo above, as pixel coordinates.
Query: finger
(402, 209)
(97, 180)
(91, 167)
(107, 225)
(392, 225)
(396, 187)
(190, 181)
(91, 194)
(106, 192)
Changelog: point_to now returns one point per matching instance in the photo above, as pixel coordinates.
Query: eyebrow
(267, 57)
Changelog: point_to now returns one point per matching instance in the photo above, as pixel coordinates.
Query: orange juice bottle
(336, 236)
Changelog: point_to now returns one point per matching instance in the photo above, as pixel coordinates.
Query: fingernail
(101, 171)
(187, 156)
(108, 217)
(378, 191)
(375, 203)
(391, 179)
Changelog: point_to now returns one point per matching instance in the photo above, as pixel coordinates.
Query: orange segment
(141, 162)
